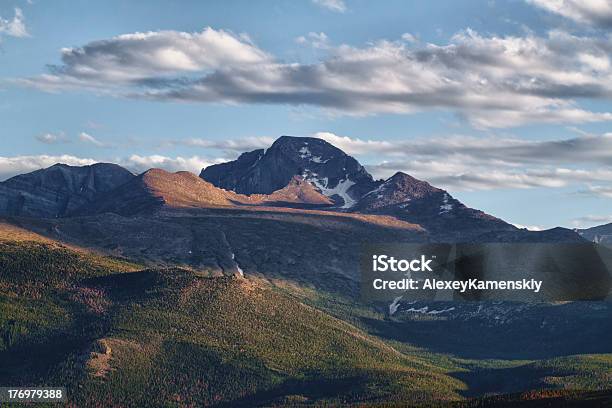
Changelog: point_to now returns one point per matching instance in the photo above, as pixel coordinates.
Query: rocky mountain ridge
(60, 189)
(157, 188)
(341, 178)
(304, 173)
(601, 234)
(406, 198)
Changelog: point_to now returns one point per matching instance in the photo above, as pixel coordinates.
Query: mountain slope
(419, 202)
(601, 234)
(244, 344)
(160, 337)
(336, 174)
(168, 336)
(157, 188)
(314, 247)
(59, 189)
(298, 191)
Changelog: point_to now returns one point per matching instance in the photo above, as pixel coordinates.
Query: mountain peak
(156, 188)
(302, 140)
(299, 191)
(290, 139)
(59, 189)
(410, 186)
(94, 166)
(397, 190)
(334, 173)
(306, 148)
(401, 175)
(418, 202)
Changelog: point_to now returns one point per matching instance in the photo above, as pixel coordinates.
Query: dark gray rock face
(332, 171)
(59, 190)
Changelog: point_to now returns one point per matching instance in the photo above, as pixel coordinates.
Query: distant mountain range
(601, 234)
(299, 172)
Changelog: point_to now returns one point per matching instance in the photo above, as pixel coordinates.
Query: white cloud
(52, 138)
(409, 38)
(140, 56)
(12, 166)
(485, 163)
(492, 81)
(594, 12)
(586, 148)
(193, 164)
(456, 175)
(530, 227)
(598, 191)
(87, 138)
(315, 40)
(591, 220)
(356, 146)
(233, 145)
(333, 5)
(15, 27)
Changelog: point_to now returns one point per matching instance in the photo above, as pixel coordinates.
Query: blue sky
(506, 104)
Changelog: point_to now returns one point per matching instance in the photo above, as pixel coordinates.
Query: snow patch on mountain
(306, 154)
(445, 207)
(376, 190)
(425, 310)
(238, 268)
(394, 305)
(340, 190)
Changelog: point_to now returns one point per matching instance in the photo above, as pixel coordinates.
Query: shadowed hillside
(122, 338)
(116, 334)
